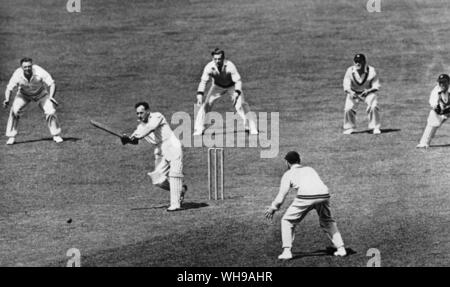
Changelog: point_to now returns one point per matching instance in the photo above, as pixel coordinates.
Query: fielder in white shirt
(32, 82)
(440, 110)
(360, 84)
(226, 81)
(168, 173)
(312, 193)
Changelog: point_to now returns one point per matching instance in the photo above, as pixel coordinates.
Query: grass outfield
(292, 56)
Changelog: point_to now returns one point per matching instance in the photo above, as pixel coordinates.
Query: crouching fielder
(168, 173)
(440, 110)
(312, 193)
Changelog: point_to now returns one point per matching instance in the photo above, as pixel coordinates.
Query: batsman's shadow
(66, 139)
(329, 251)
(440, 145)
(383, 131)
(185, 206)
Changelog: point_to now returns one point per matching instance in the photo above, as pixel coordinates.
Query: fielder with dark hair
(226, 81)
(312, 193)
(34, 84)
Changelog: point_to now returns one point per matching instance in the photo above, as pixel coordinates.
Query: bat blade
(105, 128)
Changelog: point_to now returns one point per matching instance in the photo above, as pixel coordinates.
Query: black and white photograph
(224, 133)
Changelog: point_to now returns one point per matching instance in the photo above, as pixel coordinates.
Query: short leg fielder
(241, 106)
(298, 210)
(372, 110)
(19, 104)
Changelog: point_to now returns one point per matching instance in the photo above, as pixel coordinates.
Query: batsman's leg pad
(428, 135)
(176, 186)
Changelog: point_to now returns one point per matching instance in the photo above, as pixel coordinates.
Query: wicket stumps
(215, 172)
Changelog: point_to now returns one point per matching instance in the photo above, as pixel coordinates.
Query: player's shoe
(11, 141)
(198, 133)
(376, 131)
(286, 255)
(183, 193)
(58, 139)
(422, 146)
(340, 252)
(173, 208)
(252, 132)
(348, 131)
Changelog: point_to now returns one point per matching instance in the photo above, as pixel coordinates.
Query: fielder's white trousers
(18, 107)
(372, 111)
(241, 106)
(298, 210)
(168, 174)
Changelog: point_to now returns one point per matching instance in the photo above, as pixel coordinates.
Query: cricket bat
(106, 128)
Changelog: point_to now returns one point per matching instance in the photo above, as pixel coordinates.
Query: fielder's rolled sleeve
(347, 83)
(204, 79)
(285, 185)
(434, 97)
(375, 82)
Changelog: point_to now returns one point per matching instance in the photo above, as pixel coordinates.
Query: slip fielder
(168, 173)
(312, 193)
(226, 81)
(360, 84)
(440, 110)
(32, 82)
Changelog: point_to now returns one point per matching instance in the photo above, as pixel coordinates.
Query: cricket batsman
(32, 82)
(440, 110)
(361, 84)
(168, 173)
(312, 193)
(226, 82)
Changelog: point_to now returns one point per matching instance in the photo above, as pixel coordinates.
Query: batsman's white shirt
(353, 81)
(33, 88)
(438, 96)
(158, 132)
(305, 180)
(227, 77)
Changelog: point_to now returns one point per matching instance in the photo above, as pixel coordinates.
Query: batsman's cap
(359, 58)
(292, 157)
(443, 78)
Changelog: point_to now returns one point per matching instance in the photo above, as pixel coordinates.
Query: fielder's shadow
(185, 206)
(329, 251)
(66, 139)
(383, 131)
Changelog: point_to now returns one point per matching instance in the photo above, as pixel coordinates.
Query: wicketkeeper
(440, 110)
(168, 173)
(312, 193)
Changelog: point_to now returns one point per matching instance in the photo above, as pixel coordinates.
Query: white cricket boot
(11, 141)
(341, 252)
(286, 255)
(348, 131)
(58, 139)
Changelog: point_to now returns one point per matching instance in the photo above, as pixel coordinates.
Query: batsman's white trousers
(168, 174)
(372, 111)
(241, 106)
(299, 209)
(434, 121)
(18, 107)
